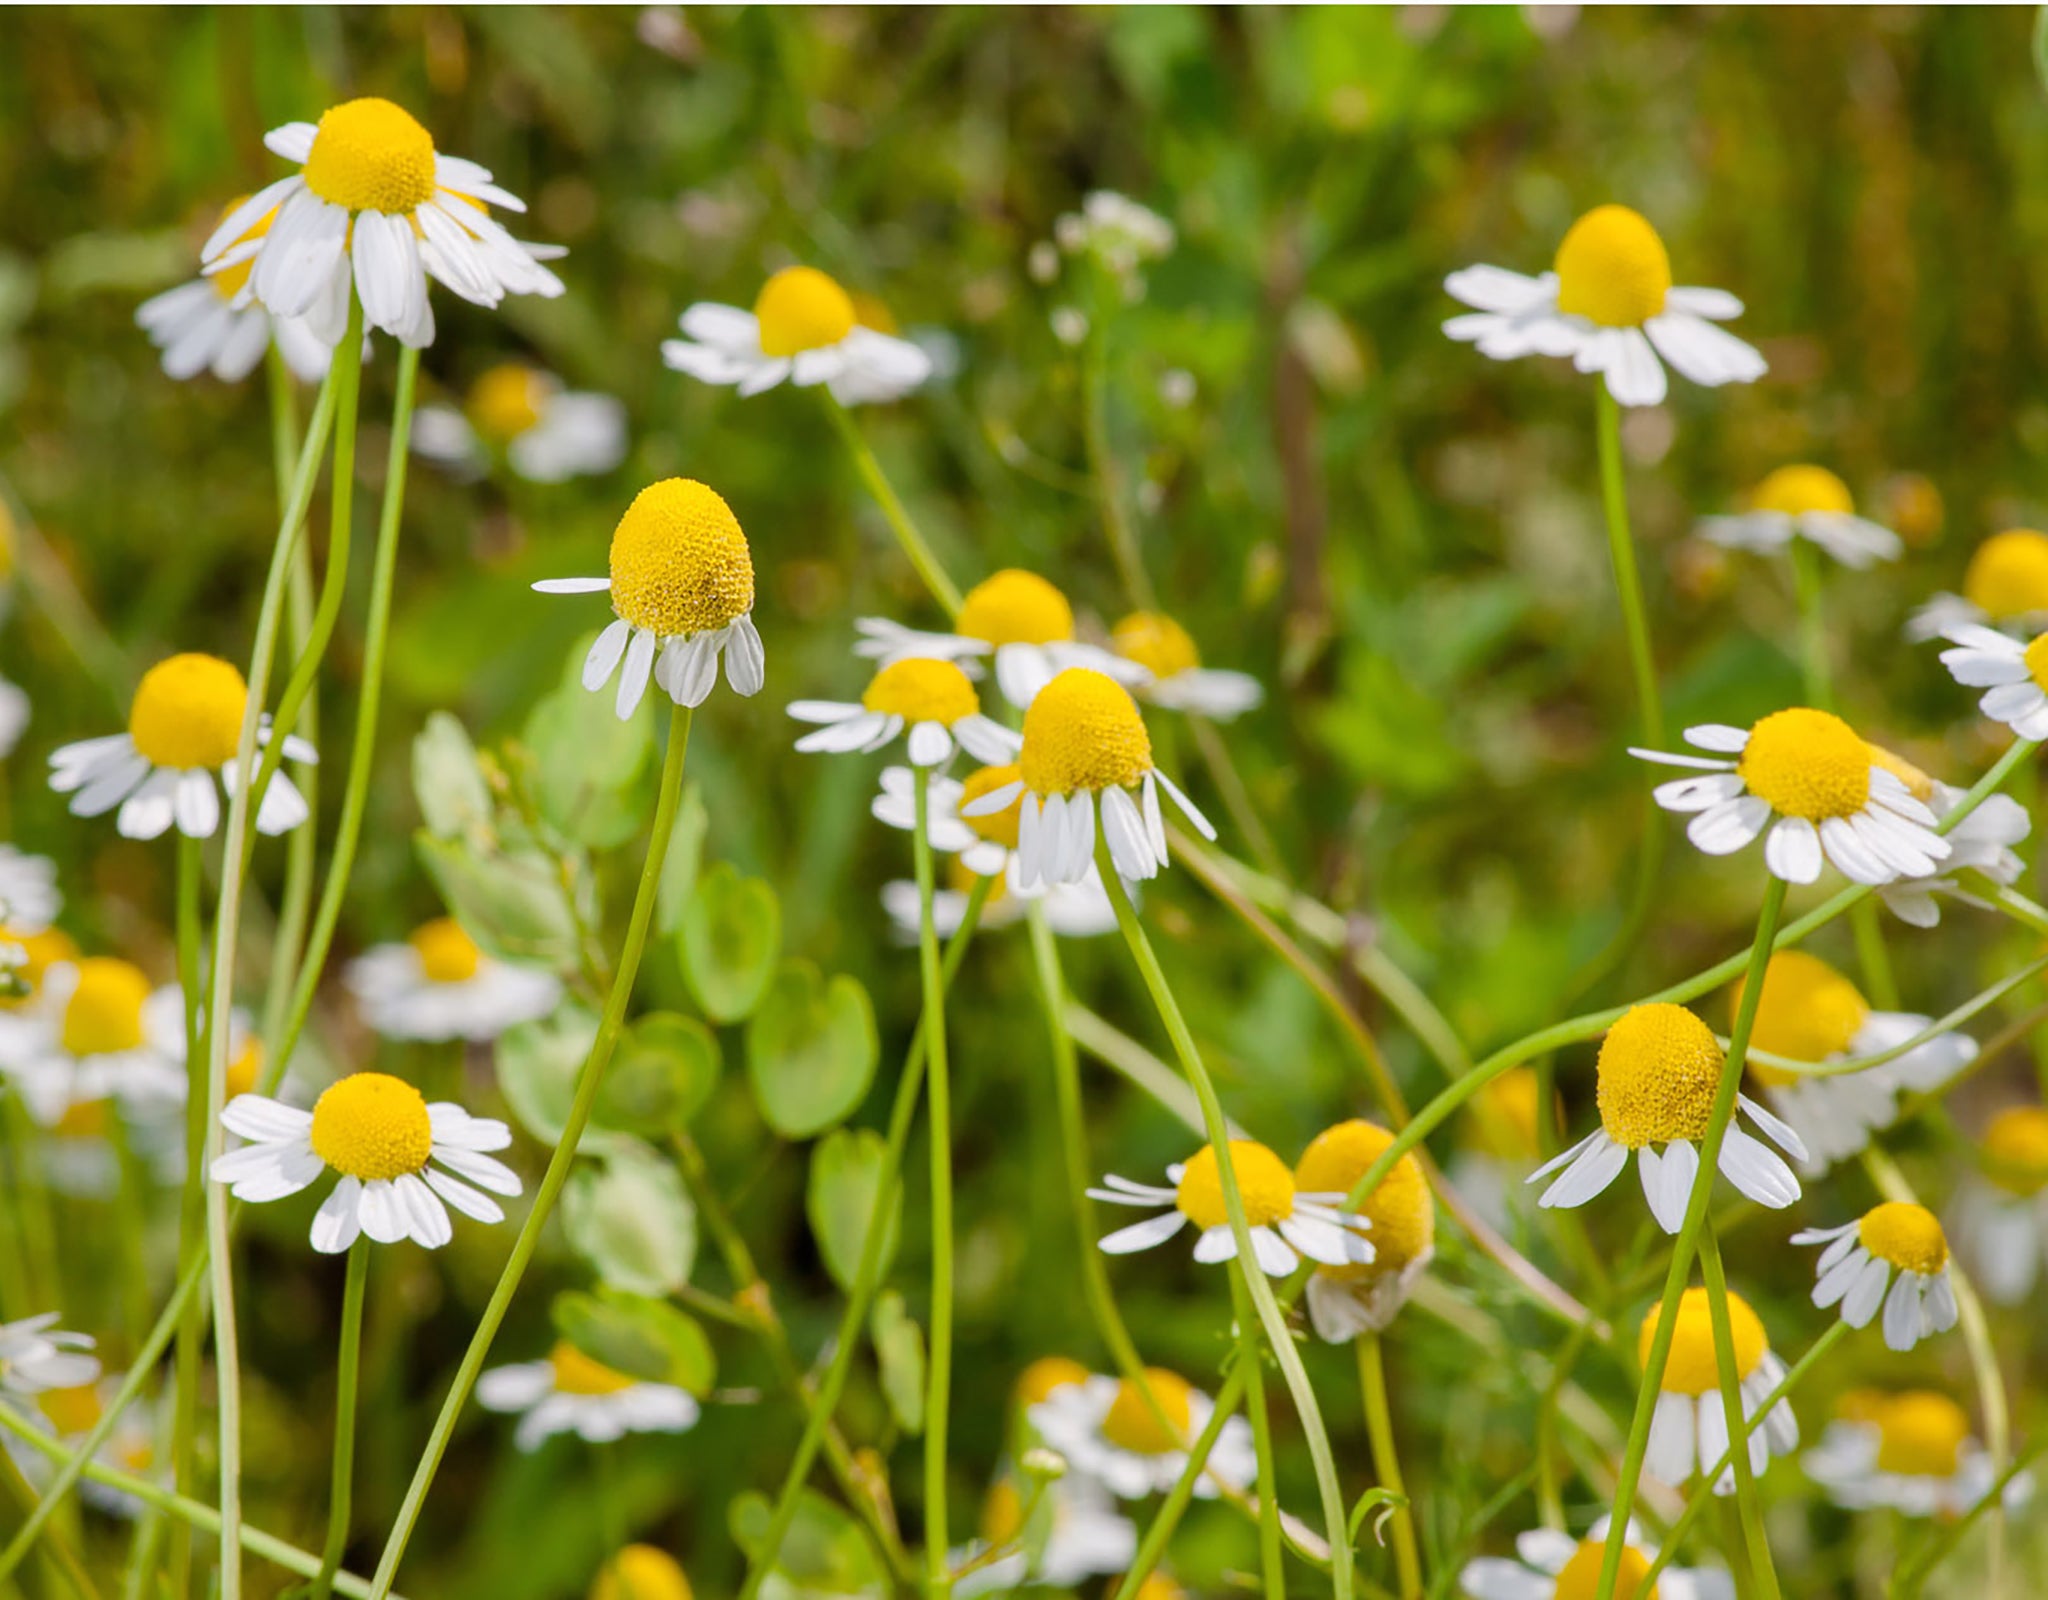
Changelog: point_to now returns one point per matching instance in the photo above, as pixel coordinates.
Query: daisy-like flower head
(29, 901)
(1909, 1452)
(375, 204)
(36, 1355)
(682, 588)
(2013, 675)
(1550, 1565)
(212, 325)
(804, 328)
(1658, 1070)
(183, 728)
(1892, 1246)
(1179, 681)
(2005, 585)
(390, 1148)
(1805, 502)
(438, 985)
(2003, 1225)
(1074, 1532)
(1364, 1297)
(1831, 799)
(1085, 746)
(1982, 842)
(1609, 304)
(933, 699)
(546, 434)
(1038, 1381)
(570, 1392)
(96, 1029)
(641, 1572)
(1689, 1429)
(1283, 1219)
(1108, 1431)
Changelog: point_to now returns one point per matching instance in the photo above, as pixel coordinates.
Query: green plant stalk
(347, 1369)
(60, 1555)
(1237, 799)
(130, 1223)
(1386, 1460)
(588, 1081)
(913, 544)
(1275, 1579)
(1906, 1586)
(192, 1217)
(938, 1095)
(1813, 629)
(1153, 1545)
(1116, 523)
(1749, 1510)
(1983, 1000)
(44, 1285)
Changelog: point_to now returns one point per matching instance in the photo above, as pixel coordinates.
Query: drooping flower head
(545, 433)
(1179, 681)
(2005, 586)
(1895, 1247)
(1982, 842)
(934, 699)
(211, 325)
(1689, 1429)
(1805, 502)
(1360, 1297)
(805, 329)
(437, 984)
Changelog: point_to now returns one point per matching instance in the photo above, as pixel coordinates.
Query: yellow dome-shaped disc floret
(371, 1125)
(1083, 731)
(922, 691)
(1402, 1214)
(1920, 1434)
(1156, 642)
(1612, 269)
(1658, 1069)
(1262, 1179)
(998, 827)
(641, 1572)
(1918, 784)
(104, 1013)
(2016, 1149)
(1015, 607)
(679, 562)
(577, 1373)
(1043, 1376)
(2008, 574)
(371, 155)
(447, 953)
(506, 401)
(1806, 763)
(800, 309)
(1907, 1236)
(187, 712)
(1798, 489)
(1807, 1012)
(1579, 1578)
(230, 281)
(1690, 1368)
(1131, 1424)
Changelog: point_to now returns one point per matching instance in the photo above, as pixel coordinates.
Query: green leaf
(685, 857)
(454, 799)
(899, 1349)
(537, 1067)
(591, 771)
(846, 1175)
(514, 904)
(731, 936)
(825, 1552)
(626, 1213)
(662, 1073)
(811, 1050)
(645, 1339)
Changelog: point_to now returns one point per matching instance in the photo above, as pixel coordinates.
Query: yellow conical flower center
(2016, 1149)
(104, 1013)
(1806, 763)
(1579, 1578)
(2008, 574)
(370, 155)
(1612, 269)
(1402, 1214)
(229, 281)
(1506, 1113)
(1690, 1368)
(1132, 1425)
(506, 401)
(998, 827)
(577, 1373)
(1907, 1236)
(187, 712)
(922, 691)
(1015, 607)
(1083, 731)
(447, 954)
(1262, 1179)
(1918, 784)
(799, 309)
(371, 1125)
(71, 1410)
(680, 563)
(641, 1572)
(1002, 1513)
(1798, 489)
(1044, 1375)
(1658, 1069)
(1807, 1012)
(83, 1119)
(43, 950)
(244, 1070)
(1920, 1434)
(1156, 642)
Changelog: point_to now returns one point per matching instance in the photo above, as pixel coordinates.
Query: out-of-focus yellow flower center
(1920, 1434)
(922, 691)
(71, 1410)
(1612, 269)
(1657, 1072)
(801, 308)
(371, 1125)
(1002, 1513)
(2037, 661)
(1263, 1181)
(2016, 1149)
(1505, 1111)
(1083, 731)
(1156, 642)
(1798, 489)
(447, 954)
(1579, 1578)
(187, 712)
(641, 1572)
(577, 1373)
(869, 312)
(1402, 1214)
(244, 1070)
(1807, 1012)
(1691, 1369)
(679, 561)
(2008, 574)
(998, 827)
(1862, 1405)
(1918, 784)
(1131, 1424)
(1907, 1236)
(1806, 763)
(1015, 607)
(44, 950)
(104, 1013)
(1157, 1586)
(1046, 1374)
(371, 155)
(229, 281)
(506, 401)
(83, 1119)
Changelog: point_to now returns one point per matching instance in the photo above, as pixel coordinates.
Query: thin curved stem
(1748, 1509)
(1386, 1460)
(1274, 1578)
(942, 588)
(348, 1365)
(192, 1215)
(1946, 1023)
(938, 1095)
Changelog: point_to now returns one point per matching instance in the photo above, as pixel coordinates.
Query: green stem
(348, 1366)
(60, 1554)
(1914, 1572)
(192, 1215)
(912, 542)
(1174, 1506)
(1123, 538)
(1813, 629)
(938, 1092)
(131, 1222)
(1749, 1509)
(45, 1284)
(1386, 1461)
(1262, 1439)
(1237, 799)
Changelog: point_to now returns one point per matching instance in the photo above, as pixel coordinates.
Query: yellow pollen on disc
(1002, 1512)
(1920, 1434)
(641, 1572)
(577, 1373)
(1918, 784)
(104, 1013)
(998, 827)
(1131, 1424)
(922, 691)
(1691, 1369)
(43, 950)
(371, 1125)
(187, 712)
(1579, 1578)
(71, 1410)
(800, 309)
(2016, 1149)
(1044, 1375)
(1658, 1069)
(1612, 269)
(1262, 1180)
(1015, 607)
(1156, 642)
(1083, 731)
(1807, 1012)
(1402, 1214)
(679, 562)
(506, 401)
(371, 155)
(229, 281)
(2008, 574)
(1801, 488)
(1907, 1236)
(447, 954)
(1806, 763)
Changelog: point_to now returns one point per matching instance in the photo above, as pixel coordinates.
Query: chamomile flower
(641, 1572)
(1086, 748)
(375, 204)
(1286, 1223)
(36, 1355)
(803, 328)
(1178, 679)
(1038, 1381)
(1551, 1565)
(1831, 799)
(184, 727)
(438, 985)
(933, 699)
(1073, 1532)
(2002, 1223)
(1108, 1431)
(570, 1392)
(29, 901)
(1347, 1300)
(1909, 1452)
(1608, 303)
(390, 1148)
(1805, 502)
(1689, 1429)
(545, 433)
(96, 1029)
(2013, 675)
(210, 325)
(1072, 910)
(682, 590)
(130, 1447)
(2004, 586)
(1658, 1070)
(1896, 1247)
(1981, 842)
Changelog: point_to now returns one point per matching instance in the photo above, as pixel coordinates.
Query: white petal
(605, 650)
(338, 1221)
(1143, 1235)
(1792, 850)
(1598, 1166)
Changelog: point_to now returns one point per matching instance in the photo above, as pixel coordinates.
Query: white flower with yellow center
(375, 204)
(2014, 675)
(2002, 1222)
(1909, 1452)
(438, 985)
(1285, 1223)
(1550, 1565)
(1346, 1300)
(1086, 749)
(1831, 799)
(1179, 681)
(71, 1413)
(641, 1572)
(1805, 502)
(96, 1029)
(1072, 1533)
(1109, 1431)
(545, 433)
(29, 900)
(381, 1136)
(803, 328)
(1892, 1247)
(682, 588)
(570, 1392)
(933, 699)
(184, 727)
(2004, 586)
(1658, 1071)
(1689, 1427)
(1609, 304)
(1982, 842)
(36, 1355)
(211, 325)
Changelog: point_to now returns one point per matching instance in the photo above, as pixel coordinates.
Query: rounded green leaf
(662, 1073)
(626, 1213)
(811, 1050)
(513, 903)
(730, 939)
(537, 1067)
(454, 800)
(592, 774)
(899, 1350)
(846, 1175)
(641, 1337)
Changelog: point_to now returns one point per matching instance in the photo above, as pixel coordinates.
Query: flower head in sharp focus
(1086, 748)
(211, 325)
(546, 434)
(1810, 503)
(437, 984)
(934, 699)
(1832, 800)
(1285, 1223)
(2002, 1220)
(1551, 1565)
(1609, 304)
(1689, 1428)
(1179, 681)
(570, 1392)
(641, 1572)
(1981, 842)
(1109, 1430)
(398, 1158)
(36, 1355)
(1364, 1297)
(682, 590)
(1895, 1256)
(1055, 1539)
(2004, 586)
(96, 1029)
(1658, 1070)
(805, 329)
(1910, 1452)
(373, 204)
(184, 728)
